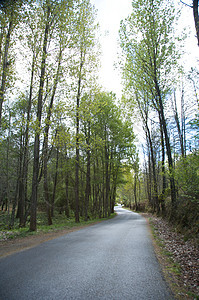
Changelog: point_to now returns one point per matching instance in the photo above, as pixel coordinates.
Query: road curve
(110, 260)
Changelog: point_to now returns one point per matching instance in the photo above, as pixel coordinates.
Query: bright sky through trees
(109, 15)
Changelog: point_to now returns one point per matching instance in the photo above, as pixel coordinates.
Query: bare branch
(186, 4)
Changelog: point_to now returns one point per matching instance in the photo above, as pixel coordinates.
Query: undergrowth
(60, 222)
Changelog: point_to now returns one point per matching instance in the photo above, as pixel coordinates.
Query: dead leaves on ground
(184, 253)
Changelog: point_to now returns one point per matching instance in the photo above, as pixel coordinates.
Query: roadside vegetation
(60, 222)
(161, 96)
(63, 139)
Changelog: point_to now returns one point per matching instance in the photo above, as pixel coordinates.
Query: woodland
(69, 147)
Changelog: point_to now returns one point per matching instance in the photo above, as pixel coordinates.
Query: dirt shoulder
(178, 257)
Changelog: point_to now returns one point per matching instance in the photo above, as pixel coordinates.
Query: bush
(187, 176)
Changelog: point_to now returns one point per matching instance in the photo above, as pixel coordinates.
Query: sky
(109, 15)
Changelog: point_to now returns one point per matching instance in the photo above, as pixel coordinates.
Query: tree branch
(186, 4)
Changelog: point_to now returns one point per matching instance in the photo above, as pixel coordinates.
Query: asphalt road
(110, 260)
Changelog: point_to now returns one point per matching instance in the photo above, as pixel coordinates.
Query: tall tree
(84, 63)
(10, 16)
(32, 43)
(63, 41)
(49, 17)
(151, 58)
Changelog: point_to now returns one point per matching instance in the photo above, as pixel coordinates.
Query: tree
(114, 144)
(64, 43)
(11, 16)
(49, 16)
(84, 60)
(59, 106)
(150, 60)
(32, 43)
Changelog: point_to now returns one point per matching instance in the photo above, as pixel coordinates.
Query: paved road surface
(110, 260)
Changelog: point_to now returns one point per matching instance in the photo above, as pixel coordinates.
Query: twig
(186, 4)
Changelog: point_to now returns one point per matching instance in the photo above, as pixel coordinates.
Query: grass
(60, 222)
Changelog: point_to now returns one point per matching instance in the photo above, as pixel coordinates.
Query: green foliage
(60, 222)
(187, 175)
(147, 41)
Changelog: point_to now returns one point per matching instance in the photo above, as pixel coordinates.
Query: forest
(67, 145)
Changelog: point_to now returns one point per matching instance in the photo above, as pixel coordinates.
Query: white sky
(109, 15)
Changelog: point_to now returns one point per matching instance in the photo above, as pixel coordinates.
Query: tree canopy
(66, 144)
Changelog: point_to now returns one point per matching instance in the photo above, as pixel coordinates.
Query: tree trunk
(180, 133)
(77, 141)
(67, 212)
(5, 67)
(46, 190)
(14, 204)
(107, 187)
(148, 176)
(45, 146)
(196, 18)
(33, 213)
(162, 200)
(168, 147)
(88, 184)
(55, 184)
(155, 186)
(23, 179)
(135, 191)
(77, 158)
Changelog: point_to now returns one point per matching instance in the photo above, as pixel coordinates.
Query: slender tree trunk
(33, 214)
(23, 179)
(168, 147)
(88, 184)
(5, 66)
(114, 187)
(196, 18)
(7, 170)
(96, 201)
(77, 159)
(155, 186)
(180, 133)
(163, 172)
(19, 170)
(144, 115)
(45, 147)
(67, 211)
(46, 190)
(1, 41)
(135, 191)
(14, 205)
(114, 196)
(55, 183)
(183, 123)
(106, 152)
(149, 176)
(77, 142)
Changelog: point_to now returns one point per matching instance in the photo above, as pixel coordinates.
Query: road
(110, 260)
